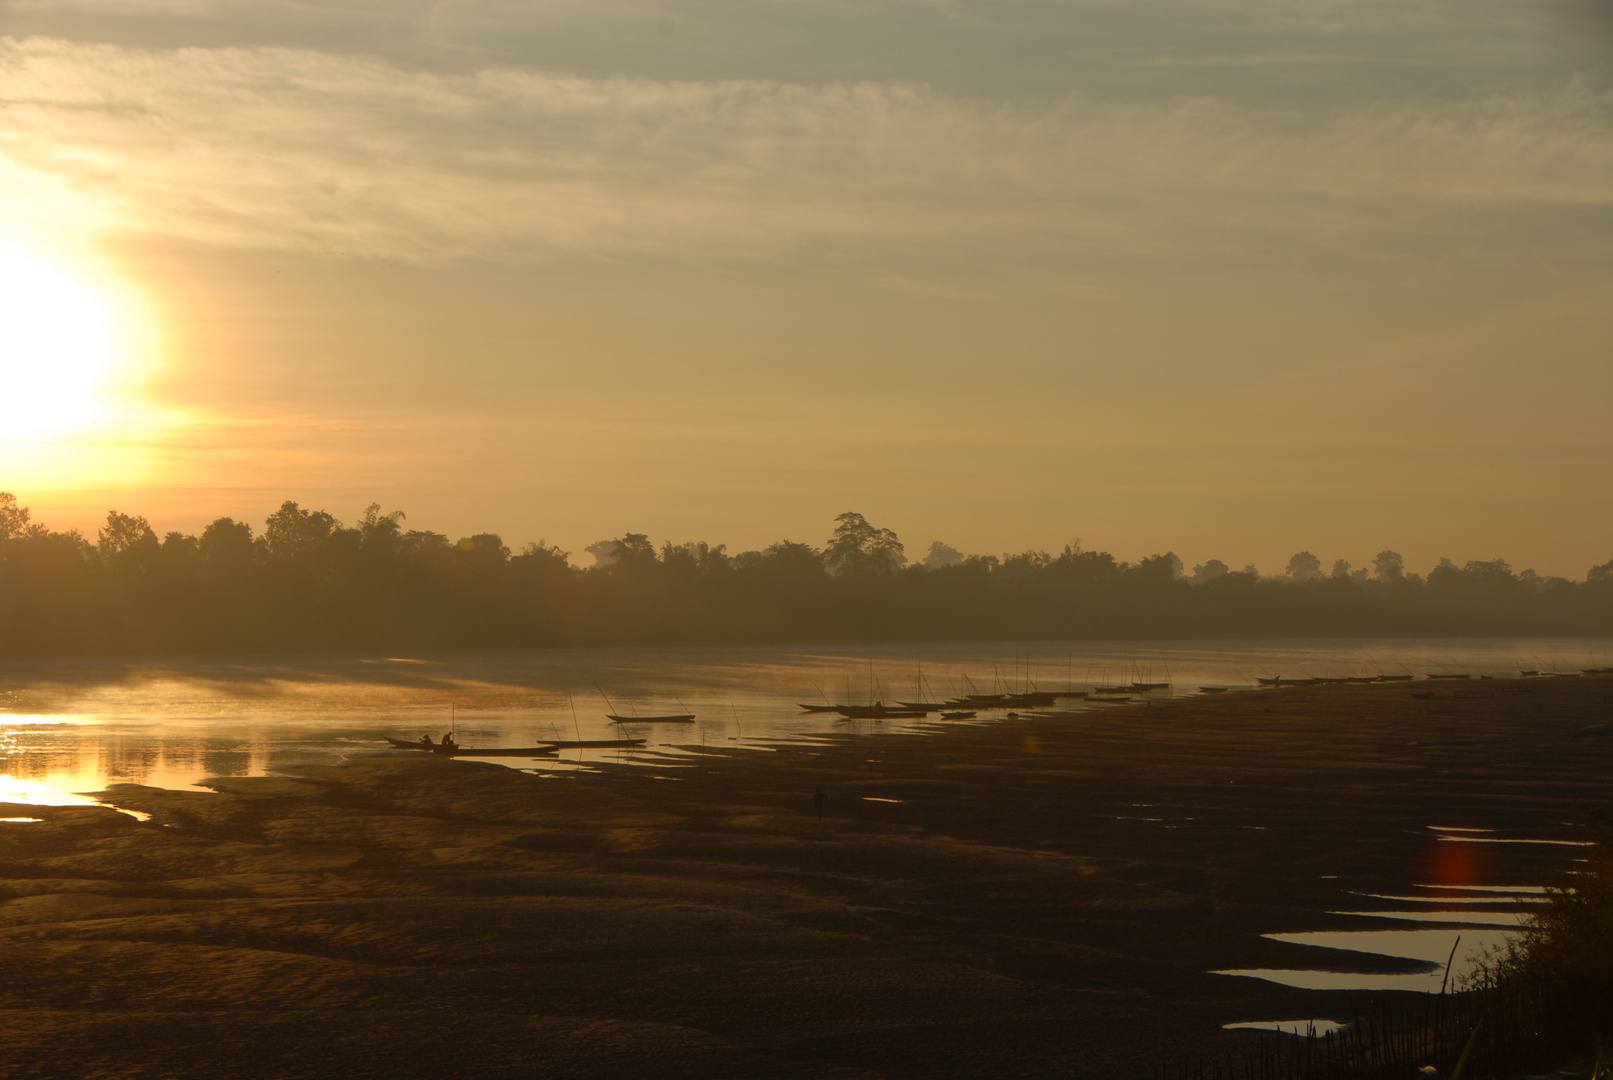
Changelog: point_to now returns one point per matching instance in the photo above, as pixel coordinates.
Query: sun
(59, 348)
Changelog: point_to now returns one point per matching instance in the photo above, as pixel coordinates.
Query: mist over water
(78, 726)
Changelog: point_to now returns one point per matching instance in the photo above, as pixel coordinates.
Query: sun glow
(59, 348)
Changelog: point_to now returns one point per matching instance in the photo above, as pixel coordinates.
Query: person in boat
(425, 740)
(448, 742)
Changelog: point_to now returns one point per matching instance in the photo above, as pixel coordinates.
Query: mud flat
(1027, 898)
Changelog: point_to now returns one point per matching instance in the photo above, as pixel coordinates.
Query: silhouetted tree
(125, 535)
(858, 547)
(13, 518)
(291, 531)
(1304, 567)
(1388, 565)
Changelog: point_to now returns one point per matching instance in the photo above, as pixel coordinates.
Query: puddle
(1313, 1028)
(1432, 947)
(1458, 828)
(1341, 980)
(1521, 890)
(1459, 916)
(21, 820)
(1505, 840)
(1500, 898)
(138, 815)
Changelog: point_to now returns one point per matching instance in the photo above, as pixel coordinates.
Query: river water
(70, 727)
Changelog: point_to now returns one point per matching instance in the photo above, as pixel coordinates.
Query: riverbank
(1026, 898)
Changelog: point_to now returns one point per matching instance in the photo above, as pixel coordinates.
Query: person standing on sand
(818, 798)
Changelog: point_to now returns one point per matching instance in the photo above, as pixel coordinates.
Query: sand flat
(1049, 896)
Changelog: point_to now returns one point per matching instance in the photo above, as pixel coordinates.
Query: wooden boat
(1359, 679)
(470, 751)
(926, 706)
(877, 711)
(1111, 689)
(817, 708)
(1278, 681)
(1150, 686)
(1395, 678)
(1033, 697)
(1450, 675)
(679, 718)
(958, 714)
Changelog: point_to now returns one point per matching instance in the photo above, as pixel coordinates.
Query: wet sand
(1016, 913)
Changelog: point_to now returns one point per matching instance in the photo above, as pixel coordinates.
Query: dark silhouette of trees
(859, 548)
(309, 582)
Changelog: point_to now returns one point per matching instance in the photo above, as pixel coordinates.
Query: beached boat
(817, 708)
(1031, 697)
(925, 706)
(878, 711)
(958, 714)
(678, 718)
(1150, 686)
(455, 750)
(1395, 678)
(1449, 675)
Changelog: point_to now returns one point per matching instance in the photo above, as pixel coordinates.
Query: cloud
(310, 150)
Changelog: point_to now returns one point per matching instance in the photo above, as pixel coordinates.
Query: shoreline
(1005, 917)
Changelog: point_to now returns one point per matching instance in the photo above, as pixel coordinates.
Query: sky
(1233, 278)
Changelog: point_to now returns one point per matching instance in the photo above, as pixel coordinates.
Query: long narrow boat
(680, 718)
(927, 706)
(817, 708)
(1150, 686)
(1395, 678)
(878, 712)
(1449, 675)
(1031, 697)
(958, 714)
(470, 751)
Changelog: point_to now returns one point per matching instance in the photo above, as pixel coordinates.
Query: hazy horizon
(1230, 278)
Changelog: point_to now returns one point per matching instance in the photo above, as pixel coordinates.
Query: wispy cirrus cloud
(304, 149)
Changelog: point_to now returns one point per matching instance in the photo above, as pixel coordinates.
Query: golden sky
(1228, 277)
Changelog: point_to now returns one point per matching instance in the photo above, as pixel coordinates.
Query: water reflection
(1314, 1029)
(74, 726)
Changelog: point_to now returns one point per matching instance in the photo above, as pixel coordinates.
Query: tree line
(307, 581)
